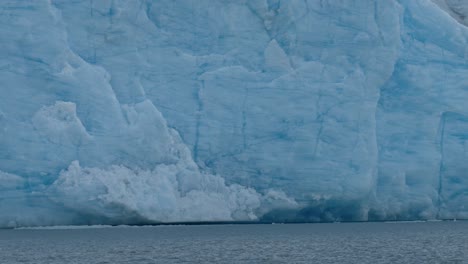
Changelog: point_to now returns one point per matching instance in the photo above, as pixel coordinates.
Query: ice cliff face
(120, 111)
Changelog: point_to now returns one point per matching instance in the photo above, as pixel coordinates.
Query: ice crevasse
(128, 112)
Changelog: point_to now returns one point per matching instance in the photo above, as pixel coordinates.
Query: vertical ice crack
(244, 119)
(376, 21)
(200, 107)
(441, 165)
(319, 118)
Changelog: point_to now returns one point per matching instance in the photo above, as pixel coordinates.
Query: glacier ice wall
(119, 111)
(456, 8)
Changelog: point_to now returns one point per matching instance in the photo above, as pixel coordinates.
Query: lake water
(423, 242)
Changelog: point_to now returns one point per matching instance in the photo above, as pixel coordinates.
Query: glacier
(134, 112)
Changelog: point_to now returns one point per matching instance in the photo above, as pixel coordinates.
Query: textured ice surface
(144, 111)
(456, 8)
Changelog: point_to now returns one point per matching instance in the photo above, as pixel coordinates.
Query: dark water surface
(431, 242)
